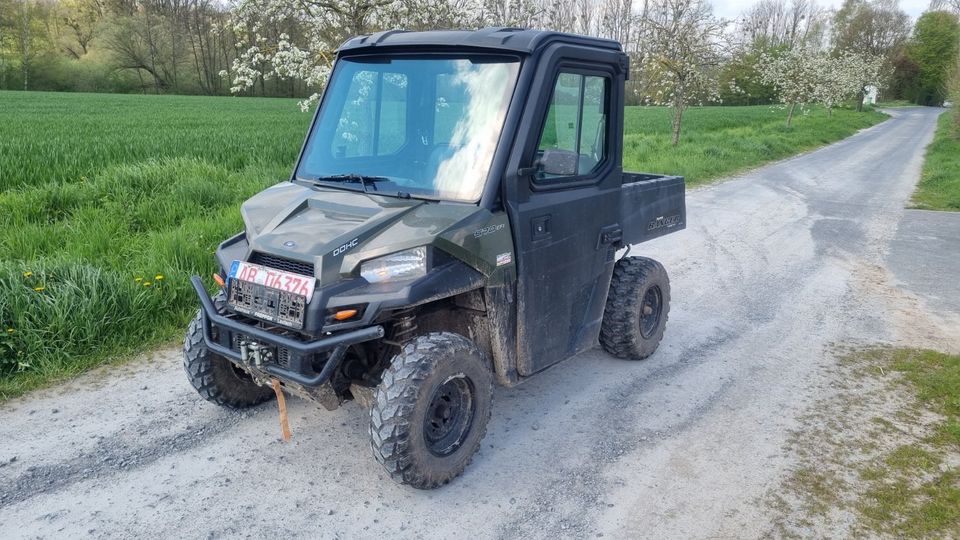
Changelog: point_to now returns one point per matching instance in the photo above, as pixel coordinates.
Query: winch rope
(282, 403)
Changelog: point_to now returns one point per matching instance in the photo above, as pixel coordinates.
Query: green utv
(454, 219)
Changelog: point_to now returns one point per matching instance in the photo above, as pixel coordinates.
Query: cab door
(564, 201)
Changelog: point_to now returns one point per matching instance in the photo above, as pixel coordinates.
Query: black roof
(504, 39)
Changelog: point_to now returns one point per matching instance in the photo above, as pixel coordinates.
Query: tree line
(155, 46)
(790, 51)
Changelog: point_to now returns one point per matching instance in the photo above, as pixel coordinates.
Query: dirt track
(776, 267)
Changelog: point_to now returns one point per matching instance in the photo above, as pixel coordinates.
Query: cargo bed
(652, 205)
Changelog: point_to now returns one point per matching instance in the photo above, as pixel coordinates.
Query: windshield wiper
(362, 179)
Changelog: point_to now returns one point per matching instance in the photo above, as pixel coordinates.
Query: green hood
(338, 229)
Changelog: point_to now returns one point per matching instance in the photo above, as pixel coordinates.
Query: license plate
(270, 294)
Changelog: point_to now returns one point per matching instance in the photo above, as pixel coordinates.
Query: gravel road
(777, 268)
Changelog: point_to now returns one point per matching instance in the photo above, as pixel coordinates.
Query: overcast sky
(730, 9)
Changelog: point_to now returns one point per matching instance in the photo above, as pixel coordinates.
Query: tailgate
(651, 206)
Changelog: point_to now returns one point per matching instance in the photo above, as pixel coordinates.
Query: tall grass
(89, 268)
(109, 202)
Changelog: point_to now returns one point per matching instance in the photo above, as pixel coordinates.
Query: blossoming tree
(680, 60)
(272, 52)
(796, 73)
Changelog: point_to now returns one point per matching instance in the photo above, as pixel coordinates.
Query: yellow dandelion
(11, 331)
(147, 284)
(158, 277)
(138, 279)
(40, 289)
(27, 274)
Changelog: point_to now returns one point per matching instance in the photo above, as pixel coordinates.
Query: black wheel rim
(449, 416)
(650, 311)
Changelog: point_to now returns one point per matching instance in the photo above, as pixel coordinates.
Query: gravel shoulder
(777, 265)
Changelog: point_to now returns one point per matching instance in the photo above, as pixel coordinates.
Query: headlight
(408, 264)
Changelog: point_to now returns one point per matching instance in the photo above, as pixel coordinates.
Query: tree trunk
(677, 121)
(790, 114)
(25, 44)
(860, 103)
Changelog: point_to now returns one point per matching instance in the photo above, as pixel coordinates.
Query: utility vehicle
(454, 219)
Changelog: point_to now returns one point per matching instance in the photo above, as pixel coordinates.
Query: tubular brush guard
(337, 343)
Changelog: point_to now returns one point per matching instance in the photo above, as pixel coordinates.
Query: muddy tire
(214, 377)
(431, 409)
(637, 307)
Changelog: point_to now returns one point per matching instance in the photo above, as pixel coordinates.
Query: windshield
(424, 126)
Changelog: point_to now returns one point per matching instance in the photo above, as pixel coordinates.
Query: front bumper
(300, 354)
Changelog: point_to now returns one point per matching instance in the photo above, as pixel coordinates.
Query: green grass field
(110, 202)
(939, 187)
(718, 141)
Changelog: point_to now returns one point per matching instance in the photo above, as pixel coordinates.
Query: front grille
(283, 356)
(239, 338)
(280, 263)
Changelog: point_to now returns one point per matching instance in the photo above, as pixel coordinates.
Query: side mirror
(556, 162)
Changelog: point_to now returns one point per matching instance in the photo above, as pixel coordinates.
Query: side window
(371, 125)
(573, 142)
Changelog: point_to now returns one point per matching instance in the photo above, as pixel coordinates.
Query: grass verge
(939, 187)
(89, 270)
(881, 458)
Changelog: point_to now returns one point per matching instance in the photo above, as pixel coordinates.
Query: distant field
(718, 141)
(64, 138)
(109, 202)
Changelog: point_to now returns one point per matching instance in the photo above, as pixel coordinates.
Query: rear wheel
(215, 378)
(638, 303)
(430, 412)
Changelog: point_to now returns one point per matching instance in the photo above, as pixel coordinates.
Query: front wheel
(637, 307)
(431, 409)
(214, 377)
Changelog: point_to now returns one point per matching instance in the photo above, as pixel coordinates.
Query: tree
(877, 27)
(274, 52)
(740, 80)
(616, 20)
(778, 23)
(83, 18)
(933, 48)
(766, 29)
(681, 61)
(903, 82)
(27, 26)
(945, 5)
(846, 75)
(867, 70)
(511, 13)
(796, 74)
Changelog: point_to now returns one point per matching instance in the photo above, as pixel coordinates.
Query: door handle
(610, 235)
